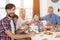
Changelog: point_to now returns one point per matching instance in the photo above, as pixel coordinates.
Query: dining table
(42, 36)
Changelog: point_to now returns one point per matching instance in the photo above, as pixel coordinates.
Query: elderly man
(51, 17)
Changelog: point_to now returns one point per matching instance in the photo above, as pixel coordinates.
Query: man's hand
(41, 24)
(31, 34)
(57, 35)
(49, 23)
(18, 36)
(19, 31)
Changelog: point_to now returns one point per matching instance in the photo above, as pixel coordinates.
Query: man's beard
(10, 15)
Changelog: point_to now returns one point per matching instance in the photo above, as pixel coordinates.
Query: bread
(48, 33)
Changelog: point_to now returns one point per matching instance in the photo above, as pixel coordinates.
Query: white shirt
(12, 27)
(20, 22)
(34, 28)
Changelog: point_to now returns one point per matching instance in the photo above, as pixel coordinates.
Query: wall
(43, 7)
(46, 3)
(55, 5)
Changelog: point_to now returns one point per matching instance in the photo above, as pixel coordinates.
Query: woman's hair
(21, 10)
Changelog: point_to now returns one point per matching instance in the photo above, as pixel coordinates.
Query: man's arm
(57, 35)
(18, 36)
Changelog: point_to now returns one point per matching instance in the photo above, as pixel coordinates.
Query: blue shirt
(54, 19)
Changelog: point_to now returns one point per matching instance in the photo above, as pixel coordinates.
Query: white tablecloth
(45, 37)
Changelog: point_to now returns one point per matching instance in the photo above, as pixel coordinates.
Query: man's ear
(6, 10)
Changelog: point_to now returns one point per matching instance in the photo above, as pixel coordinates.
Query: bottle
(38, 27)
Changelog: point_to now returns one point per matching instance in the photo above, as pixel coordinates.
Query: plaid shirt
(5, 25)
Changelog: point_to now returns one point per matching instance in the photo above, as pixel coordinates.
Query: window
(16, 2)
(27, 4)
(2, 3)
(2, 11)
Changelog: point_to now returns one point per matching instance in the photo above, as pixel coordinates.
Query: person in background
(15, 18)
(7, 28)
(22, 24)
(51, 18)
(22, 18)
(35, 19)
(35, 23)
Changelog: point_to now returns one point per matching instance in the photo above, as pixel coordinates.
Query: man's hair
(15, 16)
(9, 6)
(51, 7)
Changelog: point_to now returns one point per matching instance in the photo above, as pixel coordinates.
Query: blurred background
(31, 6)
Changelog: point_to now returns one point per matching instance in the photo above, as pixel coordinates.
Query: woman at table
(22, 18)
(22, 21)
